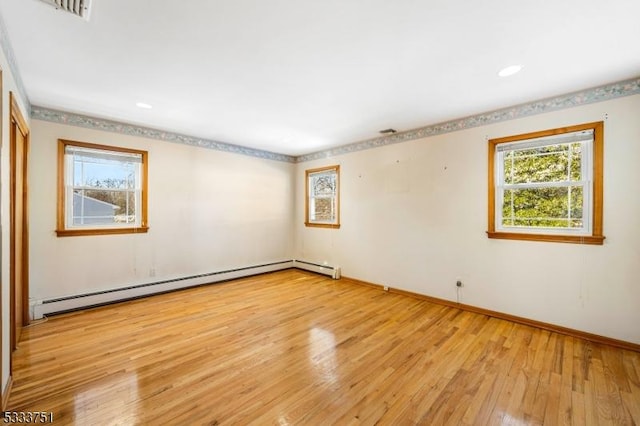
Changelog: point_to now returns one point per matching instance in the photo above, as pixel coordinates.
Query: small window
(323, 197)
(101, 189)
(547, 186)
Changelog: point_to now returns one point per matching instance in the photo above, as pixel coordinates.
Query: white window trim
(586, 183)
(70, 189)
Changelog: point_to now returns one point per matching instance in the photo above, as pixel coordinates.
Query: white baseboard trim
(71, 303)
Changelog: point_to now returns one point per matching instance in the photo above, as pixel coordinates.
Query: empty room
(317, 213)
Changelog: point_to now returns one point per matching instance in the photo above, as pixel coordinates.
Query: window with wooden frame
(101, 189)
(547, 186)
(322, 200)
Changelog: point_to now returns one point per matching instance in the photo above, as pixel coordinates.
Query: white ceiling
(297, 76)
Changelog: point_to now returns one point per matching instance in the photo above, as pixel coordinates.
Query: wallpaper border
(588, 96)
(5, 42)
(80, 120)
(583, 97)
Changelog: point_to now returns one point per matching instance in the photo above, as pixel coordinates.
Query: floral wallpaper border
(597, 94)
(78, 120)
(13, 65)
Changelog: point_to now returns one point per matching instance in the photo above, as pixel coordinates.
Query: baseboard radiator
(82, 301)
(331, 271)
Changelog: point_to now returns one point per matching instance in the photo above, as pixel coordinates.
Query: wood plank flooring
(296, 348)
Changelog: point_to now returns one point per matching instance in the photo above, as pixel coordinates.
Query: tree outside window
(547, 186)
(101, 189)
(322, 206)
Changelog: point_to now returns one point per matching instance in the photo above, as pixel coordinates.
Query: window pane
(322, 197)
(551, 163)
(323, 184)
(323, 209)
(559, 207)
(576, 162)
(98, 172)
(103, 207)
(103, 190)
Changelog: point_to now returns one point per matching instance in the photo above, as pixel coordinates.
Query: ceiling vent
(388, 131)
(80, 8)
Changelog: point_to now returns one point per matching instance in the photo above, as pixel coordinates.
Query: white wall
(208, 211)
(8, 85)
(414, 217)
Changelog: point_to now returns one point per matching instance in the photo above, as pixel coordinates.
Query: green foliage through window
(543, 187)
(547, 185)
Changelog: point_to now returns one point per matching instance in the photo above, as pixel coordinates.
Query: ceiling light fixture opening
(510, 70)
(143, 105)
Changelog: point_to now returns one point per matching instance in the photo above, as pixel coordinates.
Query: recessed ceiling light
(143, 105)
(510, 70)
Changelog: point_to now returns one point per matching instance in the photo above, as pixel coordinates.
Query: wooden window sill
(322, 225)
(106, 231)
(572, 239)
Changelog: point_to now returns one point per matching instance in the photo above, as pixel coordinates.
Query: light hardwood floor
(296, 348)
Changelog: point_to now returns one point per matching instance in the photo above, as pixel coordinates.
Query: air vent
(80, 8)
(388, 131)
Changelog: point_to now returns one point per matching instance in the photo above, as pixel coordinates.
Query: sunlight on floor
(119, 391)
(322, 355)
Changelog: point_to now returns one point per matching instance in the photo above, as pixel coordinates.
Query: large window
(547, 186)
(322, 207)
(101, 189)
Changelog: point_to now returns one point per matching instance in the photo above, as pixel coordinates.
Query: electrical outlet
(385, 288)
(152, 272)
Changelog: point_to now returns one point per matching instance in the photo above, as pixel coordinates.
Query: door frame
(4, 392)
(18, 123)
